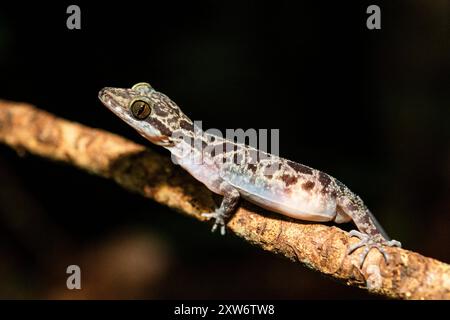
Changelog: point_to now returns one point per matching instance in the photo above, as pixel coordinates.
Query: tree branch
(408, 275)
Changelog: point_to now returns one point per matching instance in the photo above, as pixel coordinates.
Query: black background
(370, 107)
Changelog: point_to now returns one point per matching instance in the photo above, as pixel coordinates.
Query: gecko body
(235, 170)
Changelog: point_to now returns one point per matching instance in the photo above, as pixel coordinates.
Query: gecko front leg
(229, 203)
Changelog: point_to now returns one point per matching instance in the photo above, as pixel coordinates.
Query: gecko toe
(217, 224)
(369, 243)
(363, 256)
(219, 220)
(363, 237)
(359, 235)
(384, 253)
(356, 246)
(367, 249)
(208, 215)
(394, 243)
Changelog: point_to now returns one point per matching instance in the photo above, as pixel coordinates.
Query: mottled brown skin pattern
(408, 275)
(223, 162)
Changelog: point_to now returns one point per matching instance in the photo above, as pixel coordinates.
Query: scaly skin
(236, 170)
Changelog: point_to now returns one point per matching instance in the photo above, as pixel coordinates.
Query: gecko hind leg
(369, 243)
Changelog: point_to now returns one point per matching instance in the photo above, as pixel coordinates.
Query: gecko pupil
(140, 109)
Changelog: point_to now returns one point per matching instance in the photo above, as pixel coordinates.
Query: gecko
(236, 170)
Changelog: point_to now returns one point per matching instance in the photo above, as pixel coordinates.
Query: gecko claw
(219, 220)
(369, 243)
(222, 230)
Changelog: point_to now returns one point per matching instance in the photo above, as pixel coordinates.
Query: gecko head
(151, 113)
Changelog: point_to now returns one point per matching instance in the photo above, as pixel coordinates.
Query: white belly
(298, 204)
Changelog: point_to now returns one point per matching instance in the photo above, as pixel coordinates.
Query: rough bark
(408, 275)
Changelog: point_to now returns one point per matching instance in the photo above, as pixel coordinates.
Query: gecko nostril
(103, 94)
(140, 109)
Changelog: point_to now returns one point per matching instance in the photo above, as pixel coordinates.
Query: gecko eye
(140, 109)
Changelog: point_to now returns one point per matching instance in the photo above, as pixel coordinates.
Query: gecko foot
(369, 243)
(219, 220)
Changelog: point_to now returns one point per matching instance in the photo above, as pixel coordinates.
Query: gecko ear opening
(142, 87)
